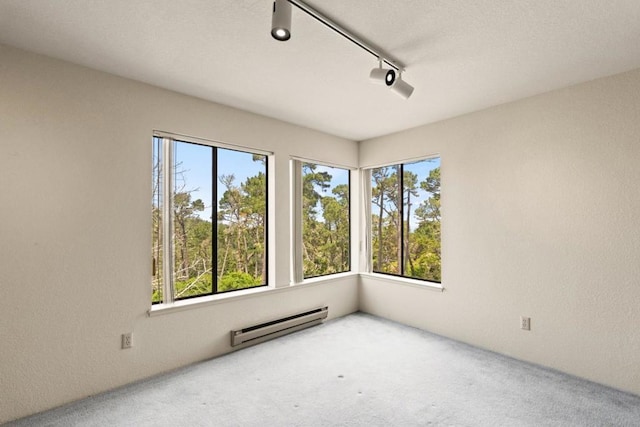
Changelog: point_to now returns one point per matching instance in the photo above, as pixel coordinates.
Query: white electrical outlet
(525, 323)
(127, 340)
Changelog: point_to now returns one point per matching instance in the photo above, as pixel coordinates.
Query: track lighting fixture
(281, 20)
(402, 88)
(281, 30)
(382, 75)
(387, 76)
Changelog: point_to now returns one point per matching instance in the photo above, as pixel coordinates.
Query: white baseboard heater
(275, 328)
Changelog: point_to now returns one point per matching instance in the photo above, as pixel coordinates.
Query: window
(325, 220)
(322, 226)
(405, 220)
(209, 215)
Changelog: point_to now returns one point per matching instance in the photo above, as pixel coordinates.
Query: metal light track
(358, 41)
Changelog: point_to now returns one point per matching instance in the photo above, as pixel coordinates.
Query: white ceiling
(461, 55)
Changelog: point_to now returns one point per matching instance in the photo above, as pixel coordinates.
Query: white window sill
(423, 284)
(327, 278)
(192, 303)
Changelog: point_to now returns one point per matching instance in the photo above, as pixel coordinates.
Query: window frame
(367, 194)
(167, 141)
(297, 219)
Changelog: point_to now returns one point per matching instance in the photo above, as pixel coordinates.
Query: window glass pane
(421, 220)
(405, 219)
(325, 220)
(192, 237)
(385, 222)
(241, 219)
(213, 220)
(156, 216)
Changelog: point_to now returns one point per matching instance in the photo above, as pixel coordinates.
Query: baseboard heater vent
(275, 328)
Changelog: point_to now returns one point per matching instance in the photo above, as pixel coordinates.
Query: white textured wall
(541, 211)
(75, 180)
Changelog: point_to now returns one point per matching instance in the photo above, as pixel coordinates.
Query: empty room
(319, 212)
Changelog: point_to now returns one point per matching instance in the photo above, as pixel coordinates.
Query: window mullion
(401, 215)
(214, 220)
(298, 269)
(167, 223)
(365, 246)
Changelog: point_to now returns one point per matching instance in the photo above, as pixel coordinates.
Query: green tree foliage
(241, 227)
(325, 228)
(421, 226)
(185, 214)
(240, 240)
(237, 280)
(385, 219)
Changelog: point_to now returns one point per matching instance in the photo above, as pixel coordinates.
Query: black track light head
(281, 20)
